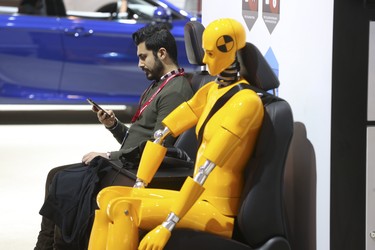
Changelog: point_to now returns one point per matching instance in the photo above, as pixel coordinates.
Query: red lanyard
(141, 109)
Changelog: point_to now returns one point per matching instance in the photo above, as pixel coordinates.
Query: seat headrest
(193, 32)
(255, 69)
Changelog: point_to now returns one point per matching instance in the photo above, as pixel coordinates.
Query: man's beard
(156, 72)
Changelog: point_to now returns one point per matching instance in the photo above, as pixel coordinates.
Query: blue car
(60, 56)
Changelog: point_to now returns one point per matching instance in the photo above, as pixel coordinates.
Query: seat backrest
(300, 190)
(255, 69)
(187, 141)
(261, 215)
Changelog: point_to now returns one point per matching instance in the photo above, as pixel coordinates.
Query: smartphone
(97, 106)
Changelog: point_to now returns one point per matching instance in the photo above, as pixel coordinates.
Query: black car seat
(261, 222)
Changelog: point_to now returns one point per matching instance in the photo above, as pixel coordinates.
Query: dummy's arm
(182, 118)
(152, 156)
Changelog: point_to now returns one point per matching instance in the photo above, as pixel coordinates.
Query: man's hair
(157, 36)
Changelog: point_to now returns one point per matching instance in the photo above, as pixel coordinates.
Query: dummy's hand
(87, 158)
(155, 239)
(104, 119)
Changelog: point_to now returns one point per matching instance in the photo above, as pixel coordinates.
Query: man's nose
(141, 64)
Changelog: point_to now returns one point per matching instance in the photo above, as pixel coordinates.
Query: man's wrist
(113, 125)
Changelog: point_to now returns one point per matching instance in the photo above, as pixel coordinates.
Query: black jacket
(72, 200)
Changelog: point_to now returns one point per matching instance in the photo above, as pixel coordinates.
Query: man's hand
(155, 239)
(104, 119)
(87, 158)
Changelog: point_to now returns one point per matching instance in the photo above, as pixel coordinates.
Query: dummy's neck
(229, 75)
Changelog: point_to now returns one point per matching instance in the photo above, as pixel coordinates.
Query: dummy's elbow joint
(160, 135)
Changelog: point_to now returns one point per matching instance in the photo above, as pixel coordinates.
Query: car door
(31, 57)
(101, 61)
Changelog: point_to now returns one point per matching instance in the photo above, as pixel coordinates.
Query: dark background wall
(349, 122)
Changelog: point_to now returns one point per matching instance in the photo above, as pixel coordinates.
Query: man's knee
(53, 171)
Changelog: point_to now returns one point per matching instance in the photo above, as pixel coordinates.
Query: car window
(139, 10)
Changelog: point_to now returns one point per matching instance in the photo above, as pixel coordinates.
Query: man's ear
(162, 53)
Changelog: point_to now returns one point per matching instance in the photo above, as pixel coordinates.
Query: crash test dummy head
(221, 40)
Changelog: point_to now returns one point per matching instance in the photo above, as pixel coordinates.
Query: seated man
(157, 52)
(209, 201)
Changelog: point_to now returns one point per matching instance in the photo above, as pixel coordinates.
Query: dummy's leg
(123, 232)
(99, 231)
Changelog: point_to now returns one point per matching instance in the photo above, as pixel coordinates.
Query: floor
(27, 152)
